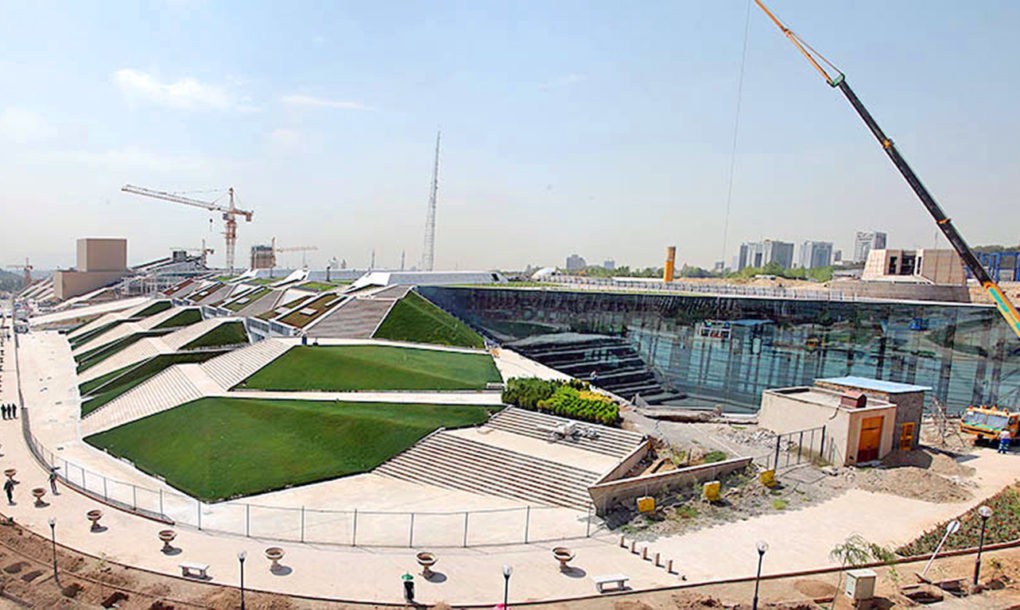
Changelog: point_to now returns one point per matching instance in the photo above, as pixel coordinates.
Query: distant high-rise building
(575, 263)
(609, 264)
(761, 253)
(837, 256)
(814, 254)
(866, 241)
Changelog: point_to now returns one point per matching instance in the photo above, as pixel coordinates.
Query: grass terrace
(183, 318)
(321, 286)
(311, 311)
(205, 292)
(228, 333)
(102, 390)
(373, 367)
(219, 448)
(415, 319)
(264, 281)
(247, 299)
(155, 308)
(84, 338)
(93, 357)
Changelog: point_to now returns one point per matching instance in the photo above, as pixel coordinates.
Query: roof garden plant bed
(246, 299)
(226, 334)
(374, 367)
(320, 305)
(185, 317)
(415, 319)
(155, 308)
(280, 310)
(219, 448)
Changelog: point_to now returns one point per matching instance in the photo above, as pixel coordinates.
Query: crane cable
(736, 131)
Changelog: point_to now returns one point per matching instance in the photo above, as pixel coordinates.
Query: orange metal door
(868, 442)
(907, 436)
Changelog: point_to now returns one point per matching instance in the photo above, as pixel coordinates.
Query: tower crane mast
(838, 81)
(229, 213)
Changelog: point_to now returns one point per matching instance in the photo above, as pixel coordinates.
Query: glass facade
(726, 350)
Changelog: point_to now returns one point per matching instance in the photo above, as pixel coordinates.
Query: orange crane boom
(230, 213)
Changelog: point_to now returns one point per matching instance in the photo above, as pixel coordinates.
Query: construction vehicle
(987, 422)
(230, 212)
(838, 81)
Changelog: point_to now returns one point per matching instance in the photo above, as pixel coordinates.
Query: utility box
(711, 491)
(646, 504)
(860, 585)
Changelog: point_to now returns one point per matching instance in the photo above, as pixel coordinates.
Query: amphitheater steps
(355, 319)
(610, 441)
(174, 386)
(450, 461)
(231, 369)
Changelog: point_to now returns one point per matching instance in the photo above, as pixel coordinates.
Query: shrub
(571, 399)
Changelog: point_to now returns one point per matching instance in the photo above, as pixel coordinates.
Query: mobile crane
(838, 81)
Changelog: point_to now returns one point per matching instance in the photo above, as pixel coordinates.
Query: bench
(194, 570)
(619, 580)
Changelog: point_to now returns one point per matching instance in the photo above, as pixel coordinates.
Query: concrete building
(101, 262)
(761, 253)
(575, 263)
(609, 264)
(940, 267)
(814, 254)
(857, 428)
(908, 398)
(865, 242)
(262, 257)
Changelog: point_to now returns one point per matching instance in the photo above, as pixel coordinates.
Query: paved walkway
(798, 539)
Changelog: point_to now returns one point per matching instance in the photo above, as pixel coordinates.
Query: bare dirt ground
(935, 473)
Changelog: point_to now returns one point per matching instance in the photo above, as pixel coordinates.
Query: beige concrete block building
(100, 262)
(940, 267)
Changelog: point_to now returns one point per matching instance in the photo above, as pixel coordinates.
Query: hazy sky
(602, 128)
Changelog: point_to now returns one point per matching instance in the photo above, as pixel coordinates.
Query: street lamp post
(507, 571)
(53, 539)
(240, 558)
(762, 547)
(984, 512)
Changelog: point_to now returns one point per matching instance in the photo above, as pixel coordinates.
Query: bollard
(644, 553)
(633, 546)
(623, 544)
(669, 567)
(657, 564)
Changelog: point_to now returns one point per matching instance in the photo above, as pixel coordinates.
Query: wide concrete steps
(106, 318)
(231, 369)
(355, 319)
(450, 461)
(128, 328)
(609, 441)
(168, 389)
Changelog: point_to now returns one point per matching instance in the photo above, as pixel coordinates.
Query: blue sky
(592, 127)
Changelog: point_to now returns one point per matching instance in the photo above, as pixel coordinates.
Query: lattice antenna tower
(428, 257)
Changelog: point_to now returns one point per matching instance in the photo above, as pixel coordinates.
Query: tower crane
(26, 269)
(838, 81)
(277, 250)
(230, 213)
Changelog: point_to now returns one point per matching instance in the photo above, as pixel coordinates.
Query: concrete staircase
(174, 386)
(125, 329)
(231, 369)
(610, 441)
(450, 461)
(355, 319)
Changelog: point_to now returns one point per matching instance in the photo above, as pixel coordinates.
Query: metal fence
(698, 288)
(809, 446)
(315, 525)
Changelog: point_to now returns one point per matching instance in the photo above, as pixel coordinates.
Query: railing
(314, 525)
(708, 289)
(809, 446)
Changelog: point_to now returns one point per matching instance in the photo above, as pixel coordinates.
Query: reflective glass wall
(726, 350)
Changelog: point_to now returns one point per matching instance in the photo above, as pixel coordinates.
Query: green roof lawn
(415, 319)
(185, 317)
(106, 388)
(272, 313)
(228, 333)
(219, 448)
(373, 367)
(247, 299)
(93, 357)
(155, 308)
(84, 338)
(320, 305)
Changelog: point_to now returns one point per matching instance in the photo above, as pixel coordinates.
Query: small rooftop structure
(427, 278)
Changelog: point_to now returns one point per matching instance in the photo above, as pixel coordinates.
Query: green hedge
(571, 399)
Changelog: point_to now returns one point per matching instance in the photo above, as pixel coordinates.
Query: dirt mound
(938, 463)
(814, 588)
(913, 482)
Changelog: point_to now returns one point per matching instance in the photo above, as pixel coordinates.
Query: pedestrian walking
(1004, 438)
(53, 480)
(14, 411)
(9, 490)
(4, 411)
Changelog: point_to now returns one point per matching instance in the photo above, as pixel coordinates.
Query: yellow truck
(987, 422)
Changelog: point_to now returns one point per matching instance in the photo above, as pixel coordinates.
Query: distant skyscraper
(575, 263)
(761, 253)
(814, 254)
(609, 264)
(865, 242)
